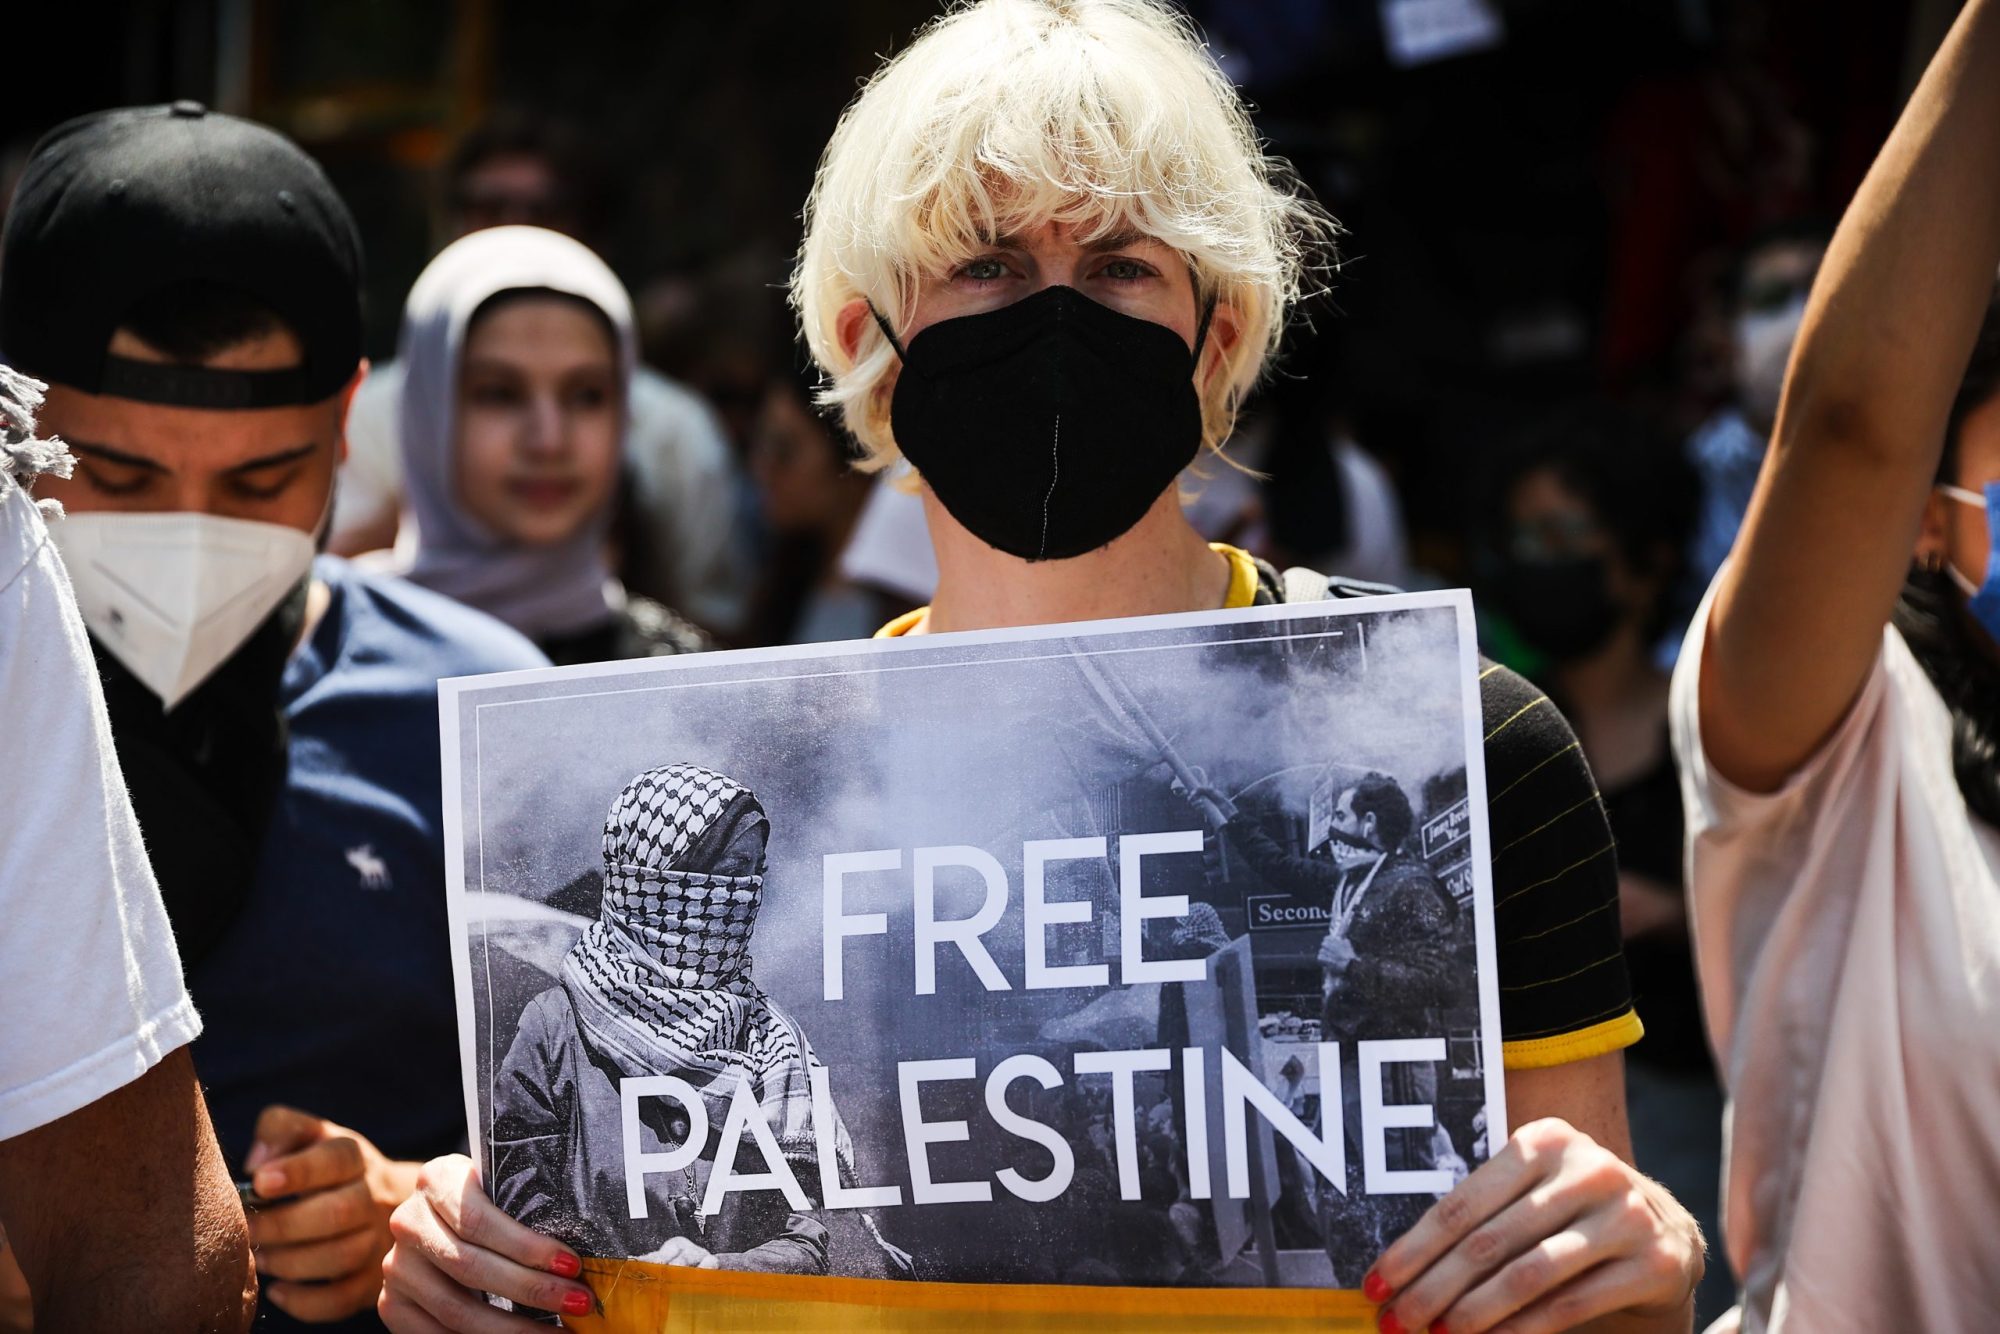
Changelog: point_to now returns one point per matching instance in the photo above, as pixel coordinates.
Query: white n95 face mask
(1763, 347)
(172, 596)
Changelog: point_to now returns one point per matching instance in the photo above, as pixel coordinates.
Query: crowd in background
(620, 467)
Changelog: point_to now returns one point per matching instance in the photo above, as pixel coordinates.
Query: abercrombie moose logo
(374, 871)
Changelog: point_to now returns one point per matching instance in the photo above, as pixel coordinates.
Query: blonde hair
(1107, 116)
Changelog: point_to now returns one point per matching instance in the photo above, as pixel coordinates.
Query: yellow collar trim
(1242, 591)
(1242, 576)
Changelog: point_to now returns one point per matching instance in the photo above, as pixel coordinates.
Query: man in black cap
(188, 283)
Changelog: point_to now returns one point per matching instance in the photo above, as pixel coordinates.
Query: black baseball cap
(117, 205)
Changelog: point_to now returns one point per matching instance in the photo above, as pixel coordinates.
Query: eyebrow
(118, 456)
(277, 460)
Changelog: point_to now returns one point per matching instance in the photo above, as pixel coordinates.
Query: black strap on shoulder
(1298, 584)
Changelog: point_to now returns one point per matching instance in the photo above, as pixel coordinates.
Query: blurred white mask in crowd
(1764, 341)
(172, 596)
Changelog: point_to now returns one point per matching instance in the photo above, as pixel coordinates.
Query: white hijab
(540, 591)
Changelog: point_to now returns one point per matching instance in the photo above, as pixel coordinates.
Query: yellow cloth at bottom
(641, 1298)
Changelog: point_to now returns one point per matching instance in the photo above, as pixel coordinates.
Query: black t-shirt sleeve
(1565, 994)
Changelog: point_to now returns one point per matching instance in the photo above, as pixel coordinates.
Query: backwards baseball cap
(118, 205)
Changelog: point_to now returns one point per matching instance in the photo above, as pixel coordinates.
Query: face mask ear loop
(1200, 332)
(887, 332)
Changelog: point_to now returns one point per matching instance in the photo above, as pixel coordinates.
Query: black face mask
(1560, 607)
(205, 776)
(1347, 849)
(1048, 427)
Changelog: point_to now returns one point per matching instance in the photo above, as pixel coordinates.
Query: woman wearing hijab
(519, 348)
(660, 984)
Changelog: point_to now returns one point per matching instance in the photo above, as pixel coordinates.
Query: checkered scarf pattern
(661, 981)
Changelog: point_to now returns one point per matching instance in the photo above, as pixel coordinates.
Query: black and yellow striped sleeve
(1565, 994)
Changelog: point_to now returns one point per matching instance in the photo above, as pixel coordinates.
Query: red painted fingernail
(577, 1303)
(1375, 1288)
(565, 1264)
(1388, 1323)
(1437, 1327)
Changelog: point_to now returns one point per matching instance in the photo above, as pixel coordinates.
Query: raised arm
(1800, 607)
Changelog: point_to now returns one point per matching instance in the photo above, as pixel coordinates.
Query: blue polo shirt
(332, 992)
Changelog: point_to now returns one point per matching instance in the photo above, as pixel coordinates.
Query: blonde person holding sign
(1045, 259)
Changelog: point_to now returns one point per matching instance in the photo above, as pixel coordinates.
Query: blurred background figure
(513, 412)
(1764, 299)
(1587, 531)
(524, 168)
(890, 549)
(810, 498)
(1296, 488)
(684, 517)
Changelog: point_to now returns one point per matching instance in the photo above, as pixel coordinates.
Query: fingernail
(566, 1265)
(270, 1182)
(577, 1303)
(1375, 1288)
(260, 1153)
(1388, 1323)
(1437, 1327)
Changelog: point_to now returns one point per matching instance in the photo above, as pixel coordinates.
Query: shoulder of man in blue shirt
(424, 633)
(360, 1025)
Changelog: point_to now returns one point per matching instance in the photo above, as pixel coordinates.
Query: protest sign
(1018, 958)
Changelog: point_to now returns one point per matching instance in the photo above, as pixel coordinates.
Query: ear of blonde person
(1107, 116)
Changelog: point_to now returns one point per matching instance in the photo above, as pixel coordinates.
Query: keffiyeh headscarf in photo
(661, 981)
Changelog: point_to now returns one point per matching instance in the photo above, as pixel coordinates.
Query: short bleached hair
(1107, 116)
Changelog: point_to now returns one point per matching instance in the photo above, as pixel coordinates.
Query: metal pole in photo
(1236, 1023)
(1118, 697)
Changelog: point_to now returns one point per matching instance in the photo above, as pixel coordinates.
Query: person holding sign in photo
(1045, 260)
(1388, 951)
(1834, 717)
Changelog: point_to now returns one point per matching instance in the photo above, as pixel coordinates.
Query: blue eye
(987, 268)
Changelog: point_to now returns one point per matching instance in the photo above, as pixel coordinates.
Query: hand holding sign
(1553, 1231)
(451, 1244)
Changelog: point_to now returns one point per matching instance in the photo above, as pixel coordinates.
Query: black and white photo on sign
(1151, 952)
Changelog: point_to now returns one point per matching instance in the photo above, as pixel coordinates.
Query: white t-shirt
(90, 982)
(1847, 930)
(890, 547)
